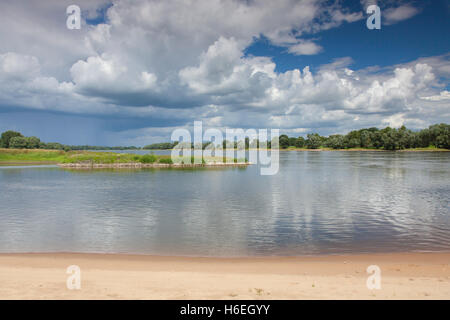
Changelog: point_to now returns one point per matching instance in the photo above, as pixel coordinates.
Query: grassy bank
(40, 156)
(31, 156)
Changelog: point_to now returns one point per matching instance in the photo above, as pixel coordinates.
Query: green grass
(165, 160)
(146, 158)
(32, 155)
(53, 156)
(24, 156)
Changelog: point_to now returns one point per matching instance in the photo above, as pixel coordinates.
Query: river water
(318, 203)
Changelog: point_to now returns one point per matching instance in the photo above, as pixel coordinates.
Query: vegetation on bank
(15, 140)
(434, 137)
(10, 156)
(31, 156)
(161, 146)
(61, 156)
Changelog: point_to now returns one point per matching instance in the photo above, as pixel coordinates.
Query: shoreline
(129, 276)
(138, 165)
(14, 161)
(330, 149)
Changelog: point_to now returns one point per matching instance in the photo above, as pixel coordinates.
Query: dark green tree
(292, 141)
(33, 143)
(300, 142)
(440, 135)
(284, 141)
(313, 141)
(7, 136)
(18, 142)
(336, 141)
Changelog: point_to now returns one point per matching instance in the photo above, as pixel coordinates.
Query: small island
(99, 160)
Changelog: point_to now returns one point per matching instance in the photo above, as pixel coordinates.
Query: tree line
(15, 140)
(160, 146)
(437, 135)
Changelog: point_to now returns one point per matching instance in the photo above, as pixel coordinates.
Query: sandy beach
(117, 276)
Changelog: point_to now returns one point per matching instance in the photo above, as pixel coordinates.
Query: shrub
(148, 158)
(165, 160)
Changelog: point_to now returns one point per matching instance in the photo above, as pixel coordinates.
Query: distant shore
(331, 149)
(96, 159)
(376, 150)
(121, 276)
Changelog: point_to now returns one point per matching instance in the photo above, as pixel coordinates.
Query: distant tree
(390, 139)
(292, 141)
(33, 143)
(405, 138)
(375, 137)
(284, 141)
(7, 136)
(161, 146)
(51, 146)
(18, 142)
(440, 135)
(247, 142)
(424, 139)
(300, 142)
(313, 141)
(353, 139)
(274, 143)
(336, 141)
(365, 139)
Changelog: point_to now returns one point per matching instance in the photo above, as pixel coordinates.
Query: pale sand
(404, 276)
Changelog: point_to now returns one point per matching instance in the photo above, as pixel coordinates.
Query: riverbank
(91, 159)
(137, 165)
(368, 149)
(118, 276)
(430, 149)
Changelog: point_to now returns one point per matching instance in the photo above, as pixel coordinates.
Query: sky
(137, 70)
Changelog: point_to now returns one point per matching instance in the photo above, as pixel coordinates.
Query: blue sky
(425, 34)
(137, 70)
